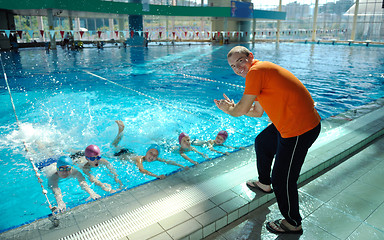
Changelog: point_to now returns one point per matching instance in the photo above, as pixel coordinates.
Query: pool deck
(210, 200)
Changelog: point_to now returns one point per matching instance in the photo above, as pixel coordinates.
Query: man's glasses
(64, 168)
(93, 158)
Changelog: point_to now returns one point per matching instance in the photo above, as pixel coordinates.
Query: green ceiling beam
(98, 6)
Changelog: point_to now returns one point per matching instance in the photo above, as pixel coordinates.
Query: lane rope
(211, 80)
(36, 170)
(157, 99)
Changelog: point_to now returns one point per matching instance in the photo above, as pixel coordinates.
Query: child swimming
(151, 155)
(185, 146)
(91, 158)
(221, 137)
(58, 168)
(63, 169)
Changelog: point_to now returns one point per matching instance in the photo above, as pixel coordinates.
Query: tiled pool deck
(202, 201)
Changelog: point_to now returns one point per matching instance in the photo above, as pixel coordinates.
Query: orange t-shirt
(283, 97)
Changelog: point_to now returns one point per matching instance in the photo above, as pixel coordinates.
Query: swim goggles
(64, 168)
(93, 158)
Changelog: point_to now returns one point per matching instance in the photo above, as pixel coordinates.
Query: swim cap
(156, 147)
(92, 151)
(64, 161)
(181, 136)
(224, 134)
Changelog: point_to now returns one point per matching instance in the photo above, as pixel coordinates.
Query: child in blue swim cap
(151, 155)
(64, 169)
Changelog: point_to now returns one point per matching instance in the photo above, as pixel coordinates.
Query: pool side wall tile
(209, 229)
(222, 222)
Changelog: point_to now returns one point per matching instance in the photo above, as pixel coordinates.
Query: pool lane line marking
(156, 99)
(211, 80)
(37, 174)
(138, 92)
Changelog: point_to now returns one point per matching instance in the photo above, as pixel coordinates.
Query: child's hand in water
(186, 168)
(61, 207)
(161, 176)
(94, 196)
(227, 153)
(242, 148)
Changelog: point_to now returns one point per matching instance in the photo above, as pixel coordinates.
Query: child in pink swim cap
(91, 158)
(185, 146)
(152, 154)
(221, 137)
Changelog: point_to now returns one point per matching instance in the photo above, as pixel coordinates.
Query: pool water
(68, 100)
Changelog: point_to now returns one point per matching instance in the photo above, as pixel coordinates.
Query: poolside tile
(233, 204)
(174, 220)
(311, 231)
(209, 229)
(67, 226)
(249, 229)
(232, 216)
(223, 197)
(197, 235)
(153, 197)
(334, 221)
(210, 216)
(172, 184)
(161, 236)
(376, 218)
(308, 204)
(200, 208)
(365, 231)
(352, 205)
(375, 177)
(90, 216)
(322, 188)
(369, 193)
(254, 204)
(27, 232)
(148, 232)
(124, 238)
(121, 204)
(221, 222)
(183, 230)
(145, 190)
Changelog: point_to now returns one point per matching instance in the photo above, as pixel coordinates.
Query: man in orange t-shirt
(295, 126)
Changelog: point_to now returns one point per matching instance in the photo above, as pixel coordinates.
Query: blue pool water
(68, 100)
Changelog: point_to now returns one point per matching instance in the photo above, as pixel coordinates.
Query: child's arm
(139, 163)
(53, 184)
(202, 154)
(112, 171)
(186, 157)
(198, 142)
(171, 162)
(216, 151)
(83, 184)
(233, 147)
(106, 187)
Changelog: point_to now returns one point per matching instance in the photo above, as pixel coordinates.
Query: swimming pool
(71, 99)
